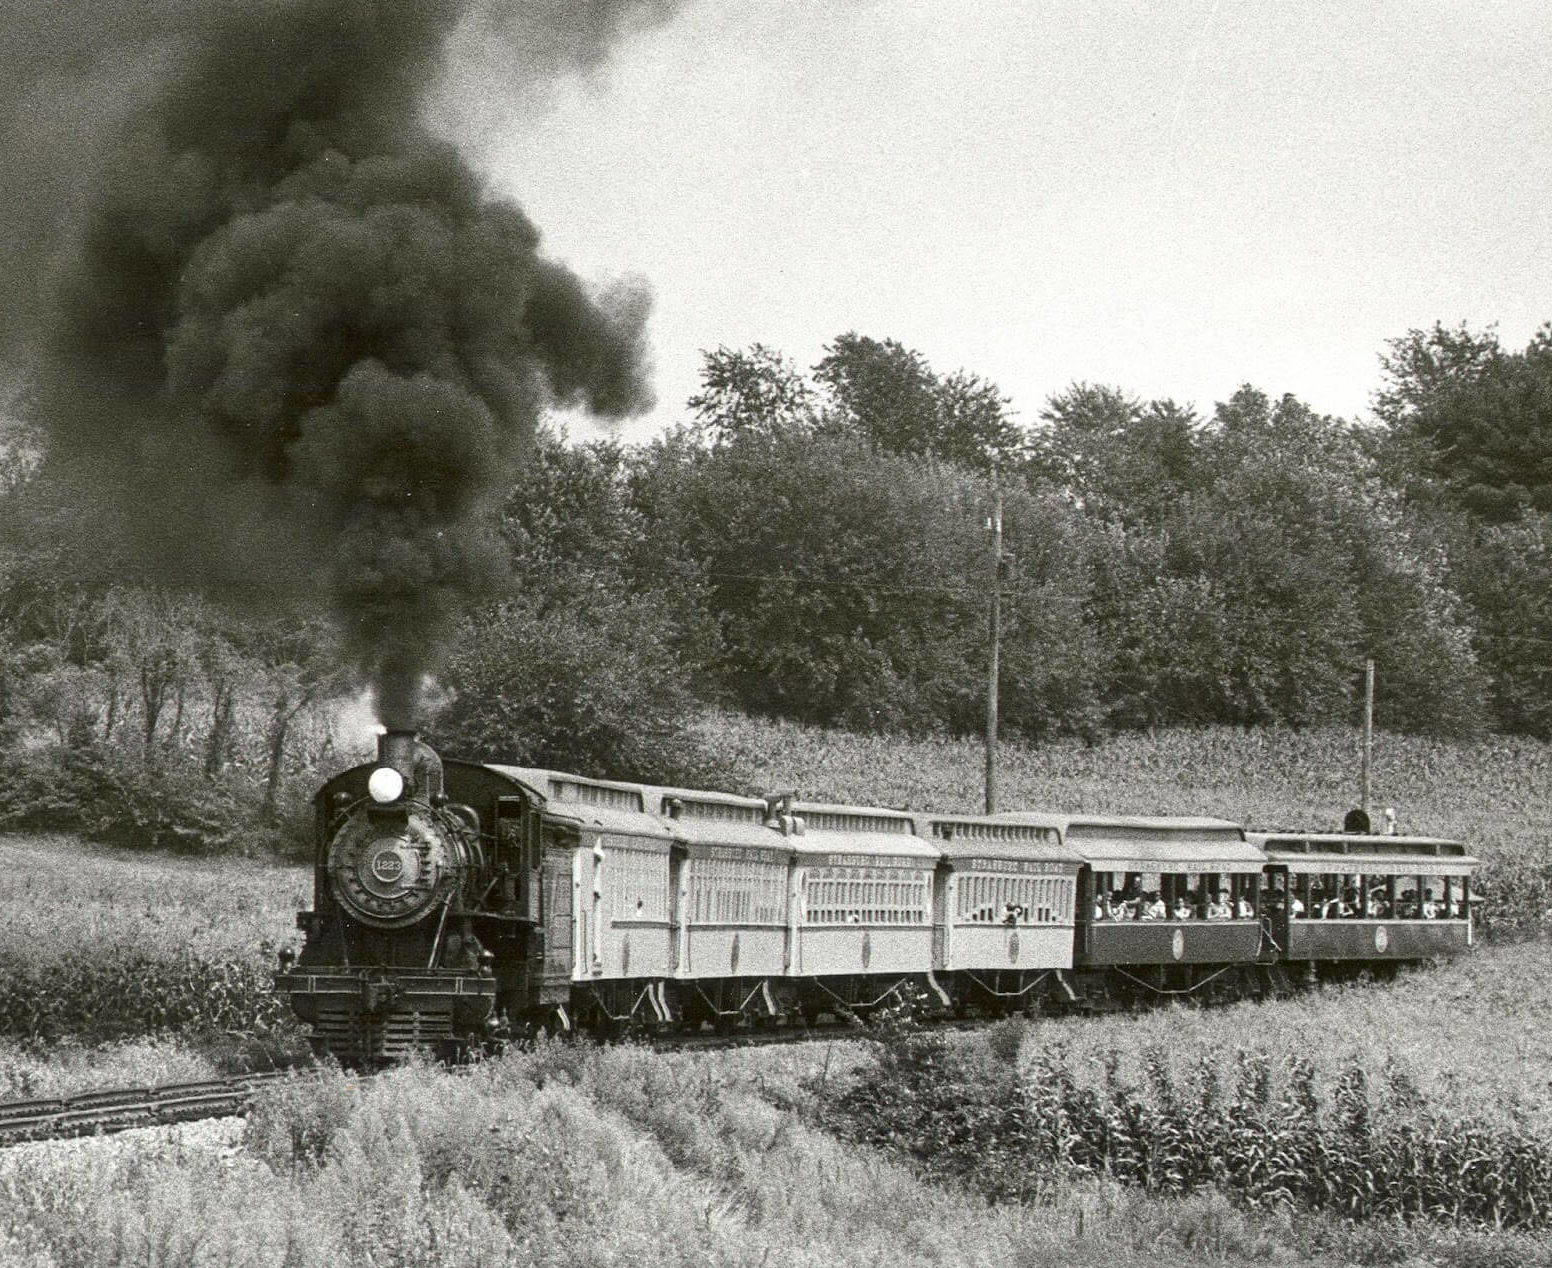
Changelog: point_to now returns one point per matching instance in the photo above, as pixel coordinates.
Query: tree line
(812, 545)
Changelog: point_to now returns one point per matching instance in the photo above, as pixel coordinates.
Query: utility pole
(995, 524)
(1368, 730)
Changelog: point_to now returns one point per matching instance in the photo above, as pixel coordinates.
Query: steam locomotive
(458, 902)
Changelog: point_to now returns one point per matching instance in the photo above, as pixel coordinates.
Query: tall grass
(29, 1070)
(1471, 1033)
(587, 1156)
(1238, 1122)
(1374, 1148)
(1423, 1099)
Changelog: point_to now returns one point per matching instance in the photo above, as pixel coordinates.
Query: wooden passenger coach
(861, 913)
(618, 856)
(730, 888)
(1134, 866)
(1003, 909)
(1359, 898)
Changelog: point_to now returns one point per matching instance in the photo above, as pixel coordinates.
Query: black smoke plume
(275, 328)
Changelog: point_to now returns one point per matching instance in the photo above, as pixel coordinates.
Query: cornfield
(1375, 1148)
(104, 945)
(103, 996)
(1269, 1134)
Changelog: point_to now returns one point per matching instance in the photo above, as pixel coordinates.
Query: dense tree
(1468, 432)
(1422, 365)
(1116, 456)
(881, 391)
(1475, 419)
(850, 586)
(887, 394)
(750, 393)
(567, 516)
(582, 519)
(1504, 573)
(1257, 597)
(593, 686)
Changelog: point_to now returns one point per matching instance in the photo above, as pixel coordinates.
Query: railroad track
(119, 1109)
(100, 1113)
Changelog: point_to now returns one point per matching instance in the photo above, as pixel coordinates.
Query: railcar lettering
(738, 854)
(1024, 867)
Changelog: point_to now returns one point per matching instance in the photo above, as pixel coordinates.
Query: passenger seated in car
(1317, 897)
(1012, 913)
(1379, 904)
(1183, 909)
(1219, 908)
(1350, 905)
(1122, 907)
(1295, 906)
(1152, 908)
(1245, 909)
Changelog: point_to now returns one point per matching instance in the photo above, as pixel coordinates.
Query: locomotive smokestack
(397, 749)
(291, 347)
(417, 762)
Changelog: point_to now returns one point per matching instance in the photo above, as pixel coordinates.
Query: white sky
(1173, 198)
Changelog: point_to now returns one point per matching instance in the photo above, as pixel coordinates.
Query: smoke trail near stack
(287, 337)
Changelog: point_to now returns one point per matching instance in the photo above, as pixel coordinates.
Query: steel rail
(120, 1109)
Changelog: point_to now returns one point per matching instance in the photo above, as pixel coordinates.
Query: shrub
(590, 684)
(115, 798)
(954, 1110)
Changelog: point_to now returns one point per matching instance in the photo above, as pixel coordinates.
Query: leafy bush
(955, 1110)
(115, 798)
(590, 684)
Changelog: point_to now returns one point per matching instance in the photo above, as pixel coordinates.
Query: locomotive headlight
(385, 785)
